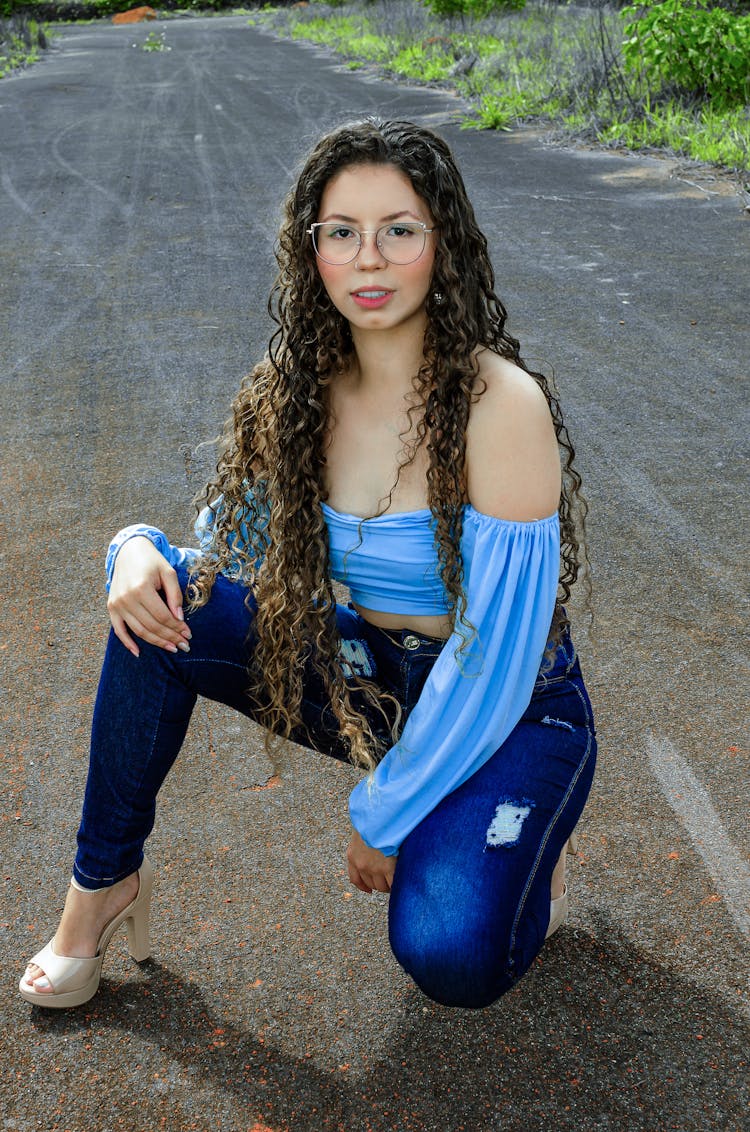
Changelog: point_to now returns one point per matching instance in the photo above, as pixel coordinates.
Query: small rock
(134, 16)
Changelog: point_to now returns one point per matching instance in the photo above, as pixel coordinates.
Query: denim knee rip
(356, 658)
(550, 722)
(505, 828)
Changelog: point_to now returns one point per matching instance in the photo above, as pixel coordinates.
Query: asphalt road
(139, 196)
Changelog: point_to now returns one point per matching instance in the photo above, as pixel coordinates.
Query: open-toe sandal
(75, 981)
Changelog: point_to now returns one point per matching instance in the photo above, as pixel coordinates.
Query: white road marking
(692, 805)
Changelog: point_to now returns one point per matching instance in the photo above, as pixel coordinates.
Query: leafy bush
(477, 9)
(705, 51)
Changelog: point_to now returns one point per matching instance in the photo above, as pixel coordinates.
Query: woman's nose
(369, 254)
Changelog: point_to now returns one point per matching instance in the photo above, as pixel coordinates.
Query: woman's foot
(84, 918)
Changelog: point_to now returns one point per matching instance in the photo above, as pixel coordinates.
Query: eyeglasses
(399, 242)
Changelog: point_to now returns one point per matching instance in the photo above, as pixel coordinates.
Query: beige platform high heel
(558, 908)
(75, 981)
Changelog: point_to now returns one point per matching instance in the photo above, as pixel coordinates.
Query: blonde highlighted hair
(270, 473)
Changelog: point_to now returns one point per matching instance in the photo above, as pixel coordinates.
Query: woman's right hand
(145, 599)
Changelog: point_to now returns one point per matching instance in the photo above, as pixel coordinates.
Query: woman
(393, 440)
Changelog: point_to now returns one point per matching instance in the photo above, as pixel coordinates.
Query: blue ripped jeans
(470, 901)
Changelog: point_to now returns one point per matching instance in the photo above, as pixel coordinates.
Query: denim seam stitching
(553, 822)
(210, 660)
(141, 779)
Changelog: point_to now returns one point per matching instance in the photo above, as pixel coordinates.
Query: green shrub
(683, 44)
(477, 9)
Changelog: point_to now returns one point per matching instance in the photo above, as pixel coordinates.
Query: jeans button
(411, 643)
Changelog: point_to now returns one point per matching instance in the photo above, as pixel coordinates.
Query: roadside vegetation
(664, 75)
(671, 76)
(21, 39)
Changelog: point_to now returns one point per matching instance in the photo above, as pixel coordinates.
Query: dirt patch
(701, 180)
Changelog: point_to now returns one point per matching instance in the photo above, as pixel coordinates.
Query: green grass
(14, 54)
(545, 64)
(719, 138)
(345, 35)
(21, 40)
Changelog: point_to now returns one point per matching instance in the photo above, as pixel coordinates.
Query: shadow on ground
(596, 1034)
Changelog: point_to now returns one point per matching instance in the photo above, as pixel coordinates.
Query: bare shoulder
(513, 463)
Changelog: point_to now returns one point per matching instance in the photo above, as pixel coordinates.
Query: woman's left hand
(369, 868)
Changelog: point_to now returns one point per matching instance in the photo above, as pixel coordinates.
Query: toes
(35, 977)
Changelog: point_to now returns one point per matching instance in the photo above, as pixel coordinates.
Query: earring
(438, 297)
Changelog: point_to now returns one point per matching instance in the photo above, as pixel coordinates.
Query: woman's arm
(175, 555)
(512, 458)
(476, 694)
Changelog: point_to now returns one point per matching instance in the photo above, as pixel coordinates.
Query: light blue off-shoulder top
(483, 679)
(388, 562)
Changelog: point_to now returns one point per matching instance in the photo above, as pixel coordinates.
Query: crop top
(360, 549)
(473, 696)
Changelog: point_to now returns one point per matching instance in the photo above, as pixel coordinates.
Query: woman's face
(369, 291)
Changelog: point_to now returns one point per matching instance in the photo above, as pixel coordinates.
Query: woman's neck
(386, 362)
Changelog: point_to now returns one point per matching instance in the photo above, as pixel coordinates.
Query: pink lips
(371, 297)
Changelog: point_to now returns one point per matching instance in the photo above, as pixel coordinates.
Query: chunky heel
(74, 981)
(558, 912)
(138, 921)
(139, 937)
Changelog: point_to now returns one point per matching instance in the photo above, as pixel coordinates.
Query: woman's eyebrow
(383, 219)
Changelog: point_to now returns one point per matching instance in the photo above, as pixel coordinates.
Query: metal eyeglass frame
(368, 232)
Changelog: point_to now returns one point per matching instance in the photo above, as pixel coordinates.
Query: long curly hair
(268, 524)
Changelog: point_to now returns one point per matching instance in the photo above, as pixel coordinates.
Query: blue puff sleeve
(474, 696)
(255, 516)
(175, 555)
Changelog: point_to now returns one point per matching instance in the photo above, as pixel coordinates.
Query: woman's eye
(402, 231)
(339, 233)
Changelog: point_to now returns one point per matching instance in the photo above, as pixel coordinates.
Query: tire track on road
(693, 806)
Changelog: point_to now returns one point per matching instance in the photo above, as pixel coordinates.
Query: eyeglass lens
(398, 243)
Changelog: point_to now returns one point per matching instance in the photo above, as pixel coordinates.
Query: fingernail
(188, 635)
(171, 648)
(180, 614)
(184, 646)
